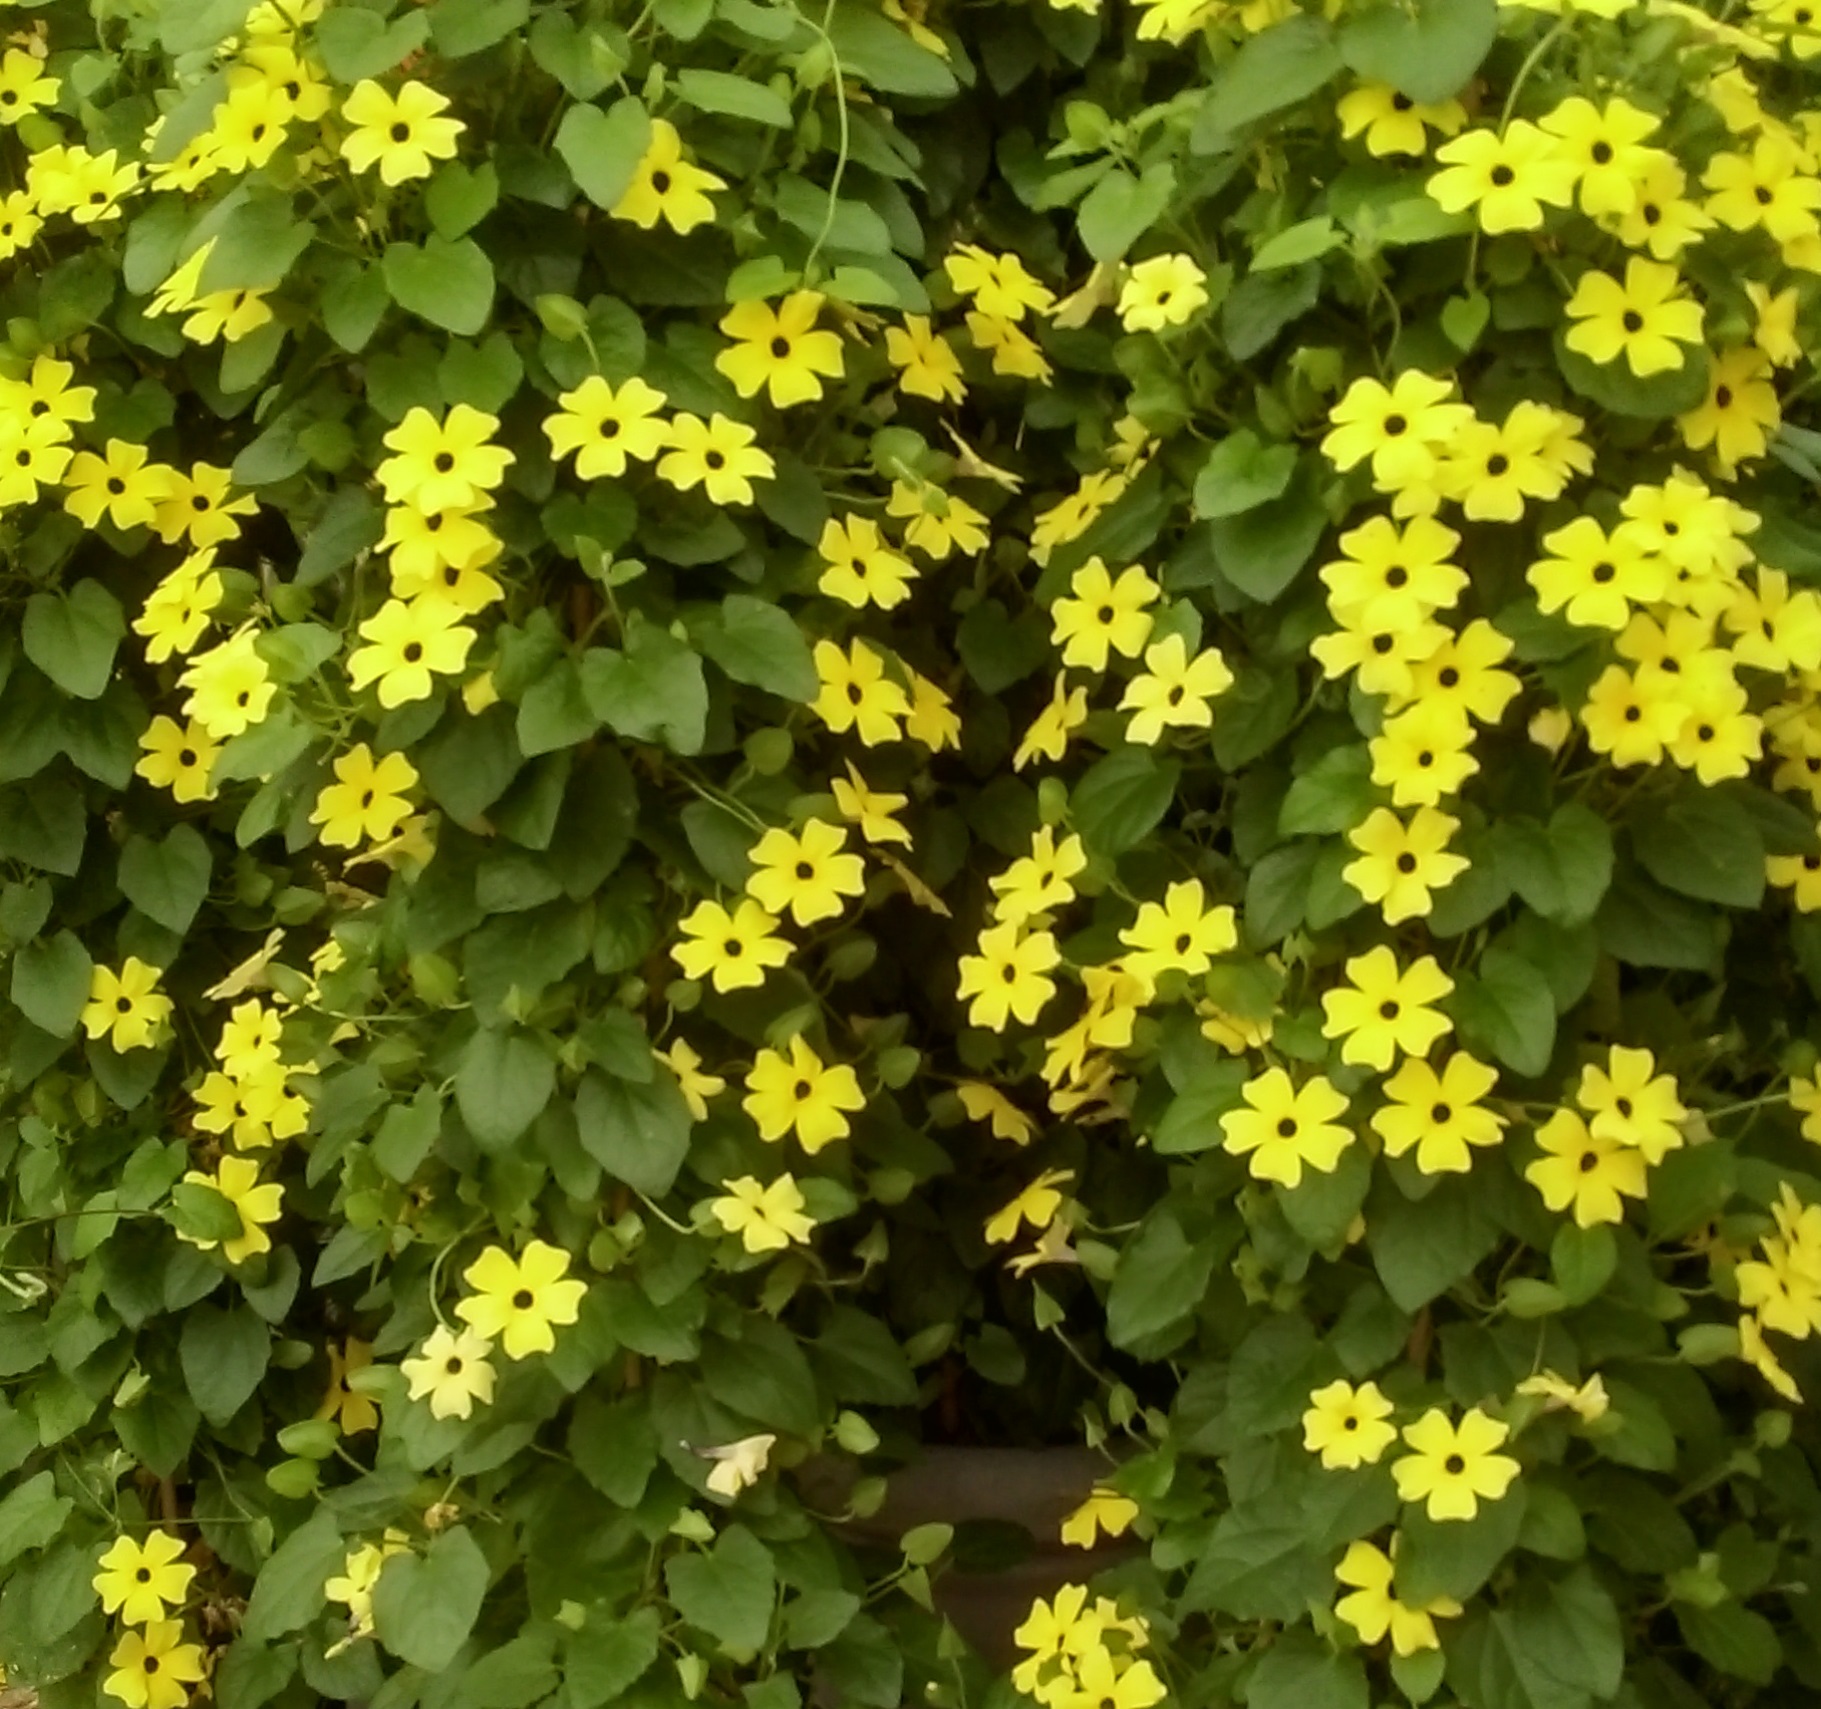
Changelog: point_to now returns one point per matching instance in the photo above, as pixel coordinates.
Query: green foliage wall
(737, 730)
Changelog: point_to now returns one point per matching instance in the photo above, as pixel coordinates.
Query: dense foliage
(732, 732)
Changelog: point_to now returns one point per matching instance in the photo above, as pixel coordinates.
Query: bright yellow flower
(143, 1581)
(779, 351)
(1392, 122)
(1645, 319)
(861, 568)
(236, 1179)
(1403, 428)
(1507, 179)
(1382, 1011)
(125, 1008)
(857, 695)
(1630, 719)
(1180, 934)
(1166, 290)
(400, 134)
(177, 757)
(1100, 614)
(253, 1105)
(409, 644)
(936, 522)
(667, 187)
(443, 465)
(1439, 1116)
(984, 1103)
(520, 1302)
(1105, 1511)
(926, 362)
(1740, 413)
(1048, 735)
(1287, 1128)
(766, 1218)
(1393, 578)
(718, 455)
(1039, 882)
(201, 507)
(738, 1465)
(1604, 148)
(1587, 1173)
(1593, 578)
(603, 426)
(806, 874)
(1036, 1205)
(1174, 690)
(731, 951)
(697, 1087)
(366, 801)
(870, 809)
(120, 485)
(1401, 864)
(1628, 1101)
(151, 1668)
(802, 1094)
(1452, 1468)
(1423, 754)
(999, 284)
(1373, 1611)
(1347, 1426)
(25, 86)
(1009, 978)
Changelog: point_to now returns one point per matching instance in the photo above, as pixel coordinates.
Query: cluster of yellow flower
(146, 1584)
(1780, 1289)
(1085, 1653)
(353, 1586)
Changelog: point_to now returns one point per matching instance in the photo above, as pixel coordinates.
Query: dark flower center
(1632, 321)
(412, 653)
(1440, 1113)
(1501, 176)
(524, 1299)
(400, 132)
(1406, 862)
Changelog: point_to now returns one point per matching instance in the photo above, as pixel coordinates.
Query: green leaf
(1272, 70)
(1582, 1260)
(289, 1591)
(873, 49)
(257, 235)
(355, 42)
(462, 27)
(1191, 1123)
(759, 644)
(30, 1516)
(763, 1376)
(1455, 1557)
(504, 1082)
(1562, 870)
(224, 1354)
(614, 1446)
(1158, 1282)
(1552, 1646)
(1427, 49)
(738, 97)
(1120, 209)
(653, 691)
(1241, 473)
(1614, 387)
(1702, 843)
(1307, 240)
(1333, 795)
(1259, 1565)
(726, 1592)
(1507, 1010)
(167, 881)
(999, 649)
(448, 284)
(603, 149)
(1734, 1639)
(460, 197)
(1299, 1672)
(407, 1132)
(203, 1213)
(43, 823)
(72, 637)
(608, 1655)
(1122, 798)
(638, 1133)
(1422, 1250)
(51, 982)
(424, 1606)
(1262, 550)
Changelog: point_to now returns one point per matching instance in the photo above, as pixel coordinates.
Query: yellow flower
(200, 506)
(1174, 690)
(1588, 1402)
(400, 134)
(1423, 754)
(1401, 864)
(932, 719)
(1593, 578)
(177, 757)
(1037, 1205)
(353, 1585)
(1371, 1609)
(19, 223)
(1630, 1102)
(1016, 355)
(667, 187)
(424, 542)
(519, 1302)
(1105, 1510)
(1645, 319)
(1507, 179)
(442, 465)
(1382, 1011)
(766, 1218)
(151, 1668)
(857, 695)
(1392, 122)
(451, 1369)
(143, 1581)
(24, 86)
(125, 1008)
(1100, 615)
(1180, 934)
(236, 1179)
(936, 522)
(1766, 188)
(1048, 735)
(354, 1412)
(779, 351)
(1287, 1128)
(366, 799)
(409, 644)
(738, 1465)
(731, 951)
(1592, 1174)
(1774, 328)
(926, 362)
(1040, 882)
(718, 455)
(1403, 428)
(603, 427)
(697, 1088)
(984, 1103)
(1166, 290)
(1631, 718)
(801, 1094)
(1740, 412)
(1452, 1468)
(1462, 674)
(862, 569)
(869, 808)
(806, 874)
(120, 484)
(1799, 874)
(1661, 218)
(999, 284)
(1603, 146)
(1009, 978)
(1439, 1115)
(1393, 578)
(1347, 1426)
(254, 1105)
